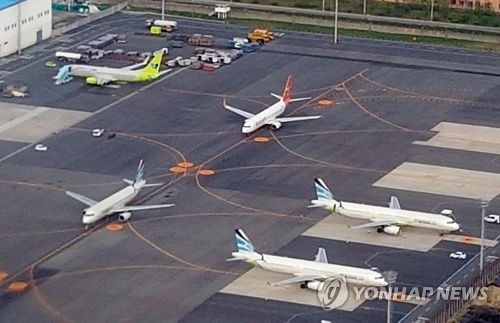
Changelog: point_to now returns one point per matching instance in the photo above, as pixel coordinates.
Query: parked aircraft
(98, 75)
(308, 273)
(116, 203)
(270, 116)
(386, 219)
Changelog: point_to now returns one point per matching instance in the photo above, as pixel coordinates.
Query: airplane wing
(237, 111)
(298, 279)
(85, 200)
(142, 207)
(133, 67)
(374, 224)
(292, 119)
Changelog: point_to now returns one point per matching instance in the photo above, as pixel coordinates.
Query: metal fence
(342, 15)
(90, 18)
(440, 311)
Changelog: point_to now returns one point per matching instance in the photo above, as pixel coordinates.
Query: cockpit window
(450, 222)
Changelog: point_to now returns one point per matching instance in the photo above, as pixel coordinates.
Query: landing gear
(88, 227)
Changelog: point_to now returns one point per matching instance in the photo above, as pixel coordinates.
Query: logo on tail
(242, 242)
(322, 191)
(152, 70)
(139, 176)
(287, 93)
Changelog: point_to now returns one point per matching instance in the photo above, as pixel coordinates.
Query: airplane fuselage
(399, 216)
(264, 117)
(115, 73)
(293, 266)
(105, 207)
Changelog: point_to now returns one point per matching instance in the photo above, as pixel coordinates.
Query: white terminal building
(23, 23)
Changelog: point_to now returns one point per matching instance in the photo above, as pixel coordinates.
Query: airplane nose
(455, 226)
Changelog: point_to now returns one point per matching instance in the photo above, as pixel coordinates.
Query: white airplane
(98, 75)
(386, 219)
(116, 203)
(309, 273)
(270, 116)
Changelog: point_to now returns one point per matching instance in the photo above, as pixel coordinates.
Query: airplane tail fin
(322, 191)
(287, 92)
(243, 243)
(324, 197)
(286, 97)
(139, 176)
(152, 70)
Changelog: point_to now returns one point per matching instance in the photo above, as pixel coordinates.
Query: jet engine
(392, 229)
(314, 285)
(275, 125)
(122, 217)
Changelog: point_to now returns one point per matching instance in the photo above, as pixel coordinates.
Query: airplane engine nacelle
(91, 80)
(125, 216)
(275, 125)
(392, 229)
(314, 285)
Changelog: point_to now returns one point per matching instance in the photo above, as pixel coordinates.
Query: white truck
(166, 25)
(72, 57)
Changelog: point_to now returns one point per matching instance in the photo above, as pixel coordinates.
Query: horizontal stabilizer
(279, 97)
(373, 224)
(237, 111)
(153, 185)
(85, 200)
(142, 207)
(234, 259)
(128, 181)
(298, 279)
(293, 119)
(299, 99)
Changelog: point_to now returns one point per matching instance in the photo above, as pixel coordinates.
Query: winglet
(321, 256)
(394, 204)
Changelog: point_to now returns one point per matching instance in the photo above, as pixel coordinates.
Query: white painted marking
(22, 118)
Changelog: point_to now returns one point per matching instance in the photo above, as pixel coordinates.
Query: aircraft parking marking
(452, 100)
(449, 181)
(464, 137)
(470, 240)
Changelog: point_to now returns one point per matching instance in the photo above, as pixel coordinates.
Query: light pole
(484, 205)
(364, 7)
(162, 9)
(432, 10)
(390, 278)
(323, 6)
(336, 19)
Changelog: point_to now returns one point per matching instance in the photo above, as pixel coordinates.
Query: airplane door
(39, 36)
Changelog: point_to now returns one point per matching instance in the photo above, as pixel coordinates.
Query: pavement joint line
(12, 154)
(128, 96)
(25, 117)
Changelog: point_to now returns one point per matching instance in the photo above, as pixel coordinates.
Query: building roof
(8, 3)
